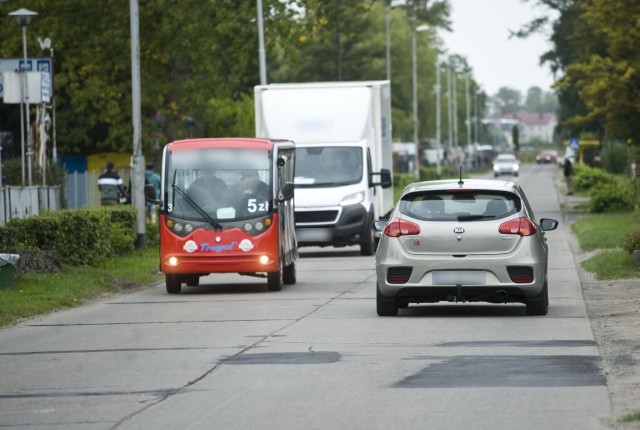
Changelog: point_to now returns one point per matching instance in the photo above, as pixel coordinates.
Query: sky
(481, 34)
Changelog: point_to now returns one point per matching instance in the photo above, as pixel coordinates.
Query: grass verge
(635, 416)
(607, 233)
(600, 231)
(38, 293)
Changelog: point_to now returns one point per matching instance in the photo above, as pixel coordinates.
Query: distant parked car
(469, 241)
(547, 157)
(506, 164)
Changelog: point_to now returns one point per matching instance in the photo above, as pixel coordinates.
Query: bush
(585, 178)
(77, 236)
(611, 197)
(632, 241)
(401, 180)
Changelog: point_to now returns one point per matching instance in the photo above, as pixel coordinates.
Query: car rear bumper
(496, 285)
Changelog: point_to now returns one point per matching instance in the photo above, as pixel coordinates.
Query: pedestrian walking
(151, 177)
(110, 186)
(568, 175)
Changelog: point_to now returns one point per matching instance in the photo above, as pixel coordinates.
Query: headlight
(516, 167)
(496, 167)
(352, 199)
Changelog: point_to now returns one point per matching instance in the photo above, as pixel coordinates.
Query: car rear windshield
(460, 205)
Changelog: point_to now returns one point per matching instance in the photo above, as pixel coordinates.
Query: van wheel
(367, 243)
(289, 274)
(540, 304)
(386, 306)
(173, 283)
(274, 280)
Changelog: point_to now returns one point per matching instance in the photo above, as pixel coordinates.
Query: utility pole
(137, 159)
(438, 142)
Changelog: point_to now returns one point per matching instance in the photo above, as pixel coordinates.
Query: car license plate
(458, 277)
(313, 235)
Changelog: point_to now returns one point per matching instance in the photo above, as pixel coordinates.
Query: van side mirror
(385, 179)
(150, 194)
(286, 193)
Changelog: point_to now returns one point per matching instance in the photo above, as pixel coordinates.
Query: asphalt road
(230, 355)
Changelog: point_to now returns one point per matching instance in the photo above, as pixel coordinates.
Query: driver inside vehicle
(250, 183)
(208, 190)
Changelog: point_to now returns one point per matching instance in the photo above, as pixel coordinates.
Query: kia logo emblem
(458, 230)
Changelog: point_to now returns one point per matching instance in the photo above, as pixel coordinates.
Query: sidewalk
(614, 311)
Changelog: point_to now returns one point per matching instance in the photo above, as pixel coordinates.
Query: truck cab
(342, 132)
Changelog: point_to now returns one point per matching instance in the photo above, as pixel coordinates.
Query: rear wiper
(474, 217)
(198, 209)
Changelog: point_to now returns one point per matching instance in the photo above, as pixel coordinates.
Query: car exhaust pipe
(502, 294)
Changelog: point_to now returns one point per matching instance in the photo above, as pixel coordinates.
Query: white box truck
(342, 132)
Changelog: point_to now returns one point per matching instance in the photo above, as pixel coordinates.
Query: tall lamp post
(418, 29)
(438, 130)
(261, 52)
(23, 18)
(393, 4)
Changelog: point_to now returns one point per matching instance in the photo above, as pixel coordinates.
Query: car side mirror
(548, 224)
(286, 193)
(150, 194)
(380, 224)
(385, 179)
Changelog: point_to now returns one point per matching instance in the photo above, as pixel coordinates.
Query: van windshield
(223, 184)
(329, 166)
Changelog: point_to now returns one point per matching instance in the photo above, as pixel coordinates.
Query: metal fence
(22, 202)
(80, 191)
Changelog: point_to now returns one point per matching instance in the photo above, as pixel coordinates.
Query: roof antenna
(461, 182)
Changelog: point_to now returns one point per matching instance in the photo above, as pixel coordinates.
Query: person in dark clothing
(568, 175)
(151, 177)
(110, 186)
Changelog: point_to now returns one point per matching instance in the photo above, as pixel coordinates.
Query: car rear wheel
(368, 242)
(173, 283)
(540, 304)
(386, 307)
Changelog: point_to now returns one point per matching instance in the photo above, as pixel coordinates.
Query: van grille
(316, 216)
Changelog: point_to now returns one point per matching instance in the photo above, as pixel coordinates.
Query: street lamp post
(393, 4)
(262, 58)
(23, 18)
(438, 137)
(418, 29)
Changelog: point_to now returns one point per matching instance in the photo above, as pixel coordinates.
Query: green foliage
(603, 231)
(586, 178)
(612, 264)
(614, 158)
(37, 293)
(632, 241)
(78, 236)
(611, 197)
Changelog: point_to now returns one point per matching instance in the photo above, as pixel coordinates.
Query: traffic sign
(574, 143)
(15, 64)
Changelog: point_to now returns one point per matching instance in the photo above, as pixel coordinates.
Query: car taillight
(520, 275)
(522, 226)
(399, 227)
(399, 275)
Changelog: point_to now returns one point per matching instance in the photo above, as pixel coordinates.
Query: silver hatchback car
(506, 164)
(462, 241)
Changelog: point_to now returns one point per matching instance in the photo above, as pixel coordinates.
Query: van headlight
(352, 199)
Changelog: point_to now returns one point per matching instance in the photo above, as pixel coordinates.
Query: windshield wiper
(198, 209)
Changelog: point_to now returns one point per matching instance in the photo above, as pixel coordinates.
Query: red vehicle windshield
(223, 184)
